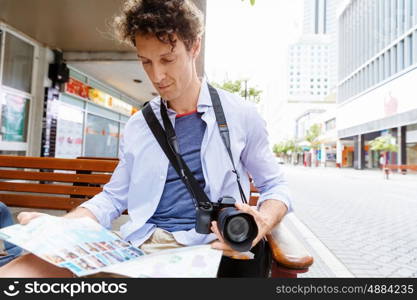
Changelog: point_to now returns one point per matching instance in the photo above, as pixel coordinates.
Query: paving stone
(369, 227)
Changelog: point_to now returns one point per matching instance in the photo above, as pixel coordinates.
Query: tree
(252, 2)
(312, 136)
(239, 87)
(384, 143)
(288, 148)
(279, 148)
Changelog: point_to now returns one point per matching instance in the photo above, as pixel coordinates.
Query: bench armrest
(287, 250)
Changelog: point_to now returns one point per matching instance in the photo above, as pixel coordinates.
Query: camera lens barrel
(238, 229)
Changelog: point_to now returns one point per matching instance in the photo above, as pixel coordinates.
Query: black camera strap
(168, 141)
(224, 133)
(199, 196)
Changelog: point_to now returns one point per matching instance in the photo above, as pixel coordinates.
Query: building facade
(62, 121)
(377, 78)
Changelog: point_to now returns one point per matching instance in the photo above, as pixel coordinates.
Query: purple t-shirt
(176, 210)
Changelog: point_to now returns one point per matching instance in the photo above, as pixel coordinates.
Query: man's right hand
(25, 217)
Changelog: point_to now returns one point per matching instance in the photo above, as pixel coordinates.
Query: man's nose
(157, 74)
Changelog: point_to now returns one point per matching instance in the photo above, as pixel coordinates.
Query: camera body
(238, 229)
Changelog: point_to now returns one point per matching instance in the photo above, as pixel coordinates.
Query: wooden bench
(402, 168)
(63, 184)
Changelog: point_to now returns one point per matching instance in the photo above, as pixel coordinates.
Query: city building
(312, 65)
(377, 79)
(308, 73)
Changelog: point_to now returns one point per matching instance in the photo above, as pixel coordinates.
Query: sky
(244, 41)
(251, 42)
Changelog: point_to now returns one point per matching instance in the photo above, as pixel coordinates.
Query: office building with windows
(377, 91)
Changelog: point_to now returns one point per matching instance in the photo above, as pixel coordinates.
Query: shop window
(14, 116)
(102, 137)
(69, 136)
(18, 63)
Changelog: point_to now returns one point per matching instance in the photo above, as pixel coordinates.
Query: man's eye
(167, 61)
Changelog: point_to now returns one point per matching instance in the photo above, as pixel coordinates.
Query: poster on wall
(69, 136)
(49, 122)
(14, 115)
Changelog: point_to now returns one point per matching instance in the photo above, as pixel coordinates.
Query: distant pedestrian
(384, 168)
(382, 161)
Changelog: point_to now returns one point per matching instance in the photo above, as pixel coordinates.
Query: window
(414, 46)
(18, 63)
(69, 132)
(393, 57)
(400, 56)
(101, 131)
(408, 51)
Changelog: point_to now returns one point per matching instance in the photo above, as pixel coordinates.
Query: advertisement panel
(14, 114)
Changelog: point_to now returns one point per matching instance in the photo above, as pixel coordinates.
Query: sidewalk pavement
(368, 223)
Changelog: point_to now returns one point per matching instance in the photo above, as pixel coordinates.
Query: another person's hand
(25, 217)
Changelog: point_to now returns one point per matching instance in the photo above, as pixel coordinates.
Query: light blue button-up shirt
(138, 181)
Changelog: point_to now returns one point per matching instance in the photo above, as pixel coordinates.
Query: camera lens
(238, 229)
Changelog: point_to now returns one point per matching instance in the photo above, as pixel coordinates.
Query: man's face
(169, 69)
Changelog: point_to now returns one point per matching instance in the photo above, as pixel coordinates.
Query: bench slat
(49, 188)
(41, 202)
(59, 177)
(58, 163)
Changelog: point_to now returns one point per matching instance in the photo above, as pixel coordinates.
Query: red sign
(78, 88)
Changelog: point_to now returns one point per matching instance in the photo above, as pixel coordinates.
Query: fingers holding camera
(228, 251)
(220, 244)
(262, 222)
(216, 231)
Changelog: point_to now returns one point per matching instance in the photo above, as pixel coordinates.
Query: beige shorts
(159, 240)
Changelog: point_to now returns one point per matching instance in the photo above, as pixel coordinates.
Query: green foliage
(312, 136)
(238, 87)
(286, 147)
(384, 143)
(252, 2)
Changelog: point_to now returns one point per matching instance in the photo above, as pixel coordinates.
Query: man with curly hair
(167, 36)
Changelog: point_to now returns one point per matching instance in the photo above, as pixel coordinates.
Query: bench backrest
(51, 183)
(402, 167)
(55, 183)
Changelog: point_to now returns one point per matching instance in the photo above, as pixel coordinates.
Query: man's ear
(195, 50)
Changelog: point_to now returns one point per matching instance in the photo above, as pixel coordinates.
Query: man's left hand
(264, 227)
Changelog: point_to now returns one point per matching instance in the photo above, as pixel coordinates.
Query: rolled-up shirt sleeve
(261, 163)
(112, 201)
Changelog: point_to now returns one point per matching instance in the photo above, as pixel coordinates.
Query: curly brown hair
(161, 18)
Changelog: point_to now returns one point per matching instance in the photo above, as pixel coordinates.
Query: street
(367, 222)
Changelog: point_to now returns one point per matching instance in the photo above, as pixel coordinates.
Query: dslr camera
(238, 229)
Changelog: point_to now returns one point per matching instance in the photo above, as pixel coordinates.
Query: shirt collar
(204, 100)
